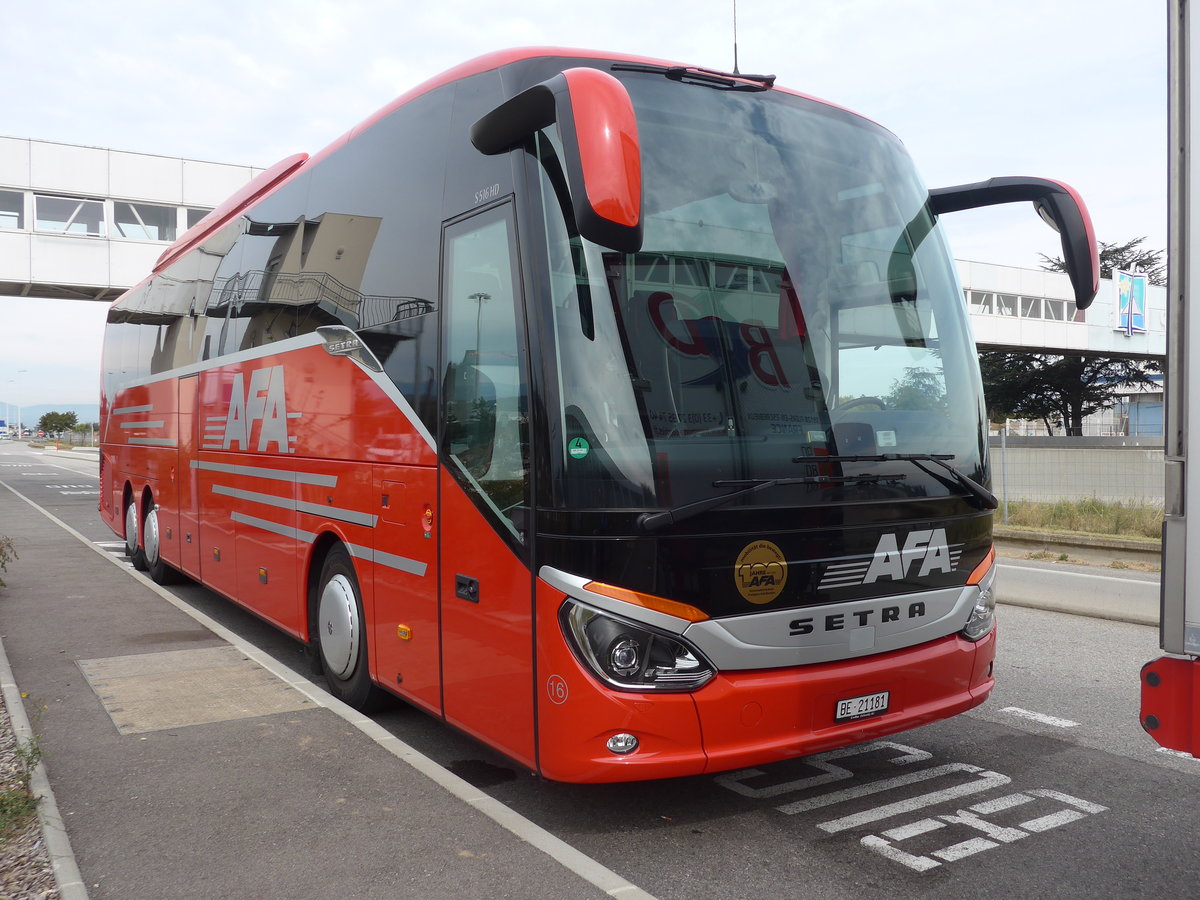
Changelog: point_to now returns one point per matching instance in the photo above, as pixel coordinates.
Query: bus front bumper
(750, 718)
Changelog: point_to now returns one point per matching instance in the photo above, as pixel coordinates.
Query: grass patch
(1089, 516)
(7, 554)
(17, 803)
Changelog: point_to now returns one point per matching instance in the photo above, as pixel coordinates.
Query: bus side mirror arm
(1057, 203)
(600, 145)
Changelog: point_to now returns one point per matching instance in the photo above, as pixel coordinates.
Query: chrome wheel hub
(337, 622)
(131, 529)
(150, 536)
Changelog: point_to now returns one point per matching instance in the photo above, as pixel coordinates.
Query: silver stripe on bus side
(351, 516)
(274, 527)
(273, 474)
(402, 563)
(126, 410)
(153, 442)
(158, 424)
(391, 560)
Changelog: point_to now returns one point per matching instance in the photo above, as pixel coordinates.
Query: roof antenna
(735, 59)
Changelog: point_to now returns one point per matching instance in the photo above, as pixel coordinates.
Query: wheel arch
(325, 542)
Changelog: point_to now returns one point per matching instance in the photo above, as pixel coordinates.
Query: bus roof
(285, 169)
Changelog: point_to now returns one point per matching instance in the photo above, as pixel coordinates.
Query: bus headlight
(632, 656)
(983, 616)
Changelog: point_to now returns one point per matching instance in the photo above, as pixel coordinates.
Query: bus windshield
(793, 300)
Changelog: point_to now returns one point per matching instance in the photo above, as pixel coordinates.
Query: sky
(1074, 90)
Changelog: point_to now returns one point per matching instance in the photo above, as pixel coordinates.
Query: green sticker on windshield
(578, 448)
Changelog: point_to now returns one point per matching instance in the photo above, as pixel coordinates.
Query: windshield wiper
(655, 521)
(706, 77)
(985, 498)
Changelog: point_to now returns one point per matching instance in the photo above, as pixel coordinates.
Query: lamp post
(480, 298)
(13, 381)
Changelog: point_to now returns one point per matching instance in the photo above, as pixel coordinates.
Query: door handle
(466, 588)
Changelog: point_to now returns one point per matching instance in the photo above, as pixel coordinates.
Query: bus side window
(485, 420)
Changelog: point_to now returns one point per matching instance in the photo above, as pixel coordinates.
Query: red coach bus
(623, 414)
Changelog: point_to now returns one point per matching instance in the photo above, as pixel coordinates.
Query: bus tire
(133, 546)
(342, 634)
(159, 571)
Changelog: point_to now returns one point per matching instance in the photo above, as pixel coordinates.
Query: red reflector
(1170, 690)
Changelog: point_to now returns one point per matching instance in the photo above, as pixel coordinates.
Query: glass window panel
(195, 214)
(1031, 307)
(485, 421)
(653, 269)
(981, 301)
(12, 209)
(69, 215)
(1056, 310)
(1006, 305)
(144, 221)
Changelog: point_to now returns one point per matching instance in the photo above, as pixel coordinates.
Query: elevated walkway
(88, 223)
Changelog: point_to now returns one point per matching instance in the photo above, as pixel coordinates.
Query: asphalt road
(1050, 789)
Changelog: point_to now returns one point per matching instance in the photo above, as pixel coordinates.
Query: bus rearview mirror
(600, 144)
(1057, 203)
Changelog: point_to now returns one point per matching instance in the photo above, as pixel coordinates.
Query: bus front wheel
(342, 634)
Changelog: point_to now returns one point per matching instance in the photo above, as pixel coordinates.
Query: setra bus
(623, 414)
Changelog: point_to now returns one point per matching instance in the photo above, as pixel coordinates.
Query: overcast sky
(1073, 90)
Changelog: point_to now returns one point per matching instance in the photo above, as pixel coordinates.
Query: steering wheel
(861, 401)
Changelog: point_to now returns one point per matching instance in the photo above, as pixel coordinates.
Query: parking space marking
(984, 822)
(1039, 717)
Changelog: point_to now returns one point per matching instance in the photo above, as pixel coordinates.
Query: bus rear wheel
(342, 634)
(159, 571)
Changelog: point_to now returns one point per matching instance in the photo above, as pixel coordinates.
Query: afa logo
(760, 572)
(259, 412)
(924, 552)
(927, 547)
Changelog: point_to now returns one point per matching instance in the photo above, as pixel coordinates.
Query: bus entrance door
(485, 584)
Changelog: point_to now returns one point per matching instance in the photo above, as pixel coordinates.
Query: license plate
(861, 707)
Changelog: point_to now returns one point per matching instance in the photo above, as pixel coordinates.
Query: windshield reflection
(793, 299)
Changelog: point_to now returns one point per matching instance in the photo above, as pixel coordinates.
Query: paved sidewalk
(183, 768)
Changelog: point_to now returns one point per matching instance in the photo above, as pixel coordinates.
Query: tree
(54, 422)
(1059, 390)
(1008, 388)
(1126, 257)
(918, 388)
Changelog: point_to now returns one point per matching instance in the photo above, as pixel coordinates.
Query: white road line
(527, 830)
(1178, 753)
(1070, 572)
(1040, 717)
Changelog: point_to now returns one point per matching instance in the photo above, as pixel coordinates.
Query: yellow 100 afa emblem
(760, 572)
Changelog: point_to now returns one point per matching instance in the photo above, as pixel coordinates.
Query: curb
(1090, 548)
(54, 831)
